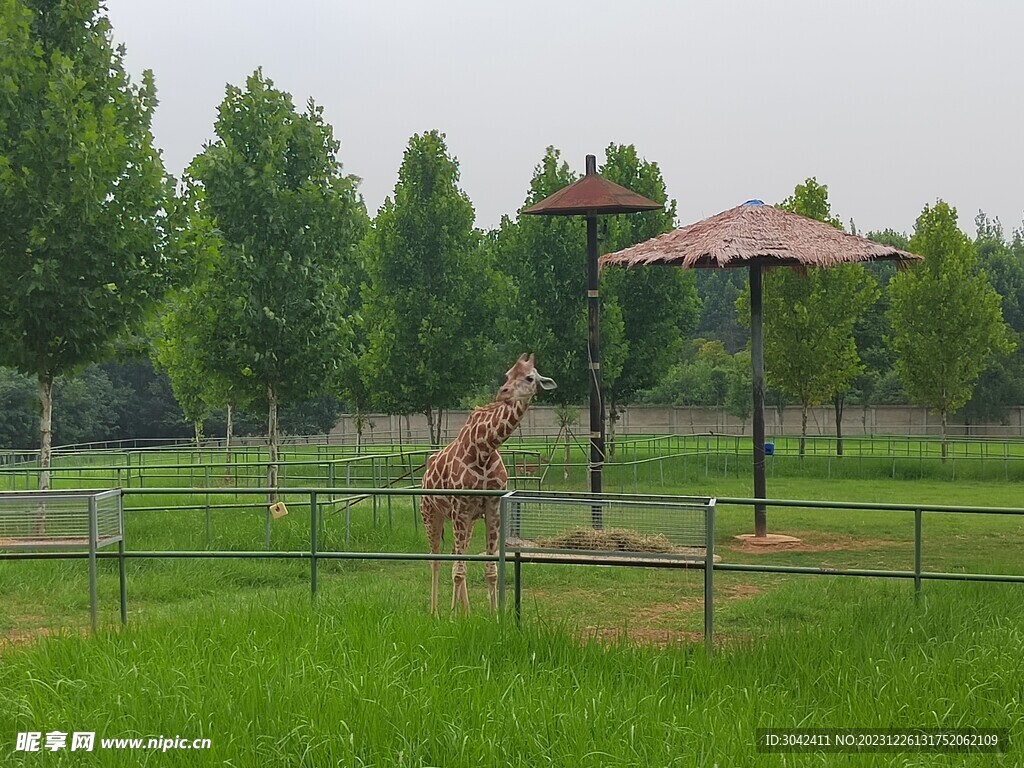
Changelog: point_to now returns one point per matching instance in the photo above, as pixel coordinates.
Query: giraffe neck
(496, 423)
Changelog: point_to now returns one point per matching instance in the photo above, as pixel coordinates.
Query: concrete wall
(542, 420)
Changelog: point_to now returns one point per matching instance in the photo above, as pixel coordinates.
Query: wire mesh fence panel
(606, 525)
(59, 520)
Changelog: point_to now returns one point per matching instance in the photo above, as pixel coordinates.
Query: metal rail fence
(551, 448)
(315, 554)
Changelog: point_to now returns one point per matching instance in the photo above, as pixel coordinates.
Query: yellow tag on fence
(278, 510)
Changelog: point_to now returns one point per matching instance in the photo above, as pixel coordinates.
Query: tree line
(258, 283)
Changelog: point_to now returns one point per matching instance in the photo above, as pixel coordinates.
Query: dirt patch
(643, 630)
(813, 541)
(30, 628)
(743, 592)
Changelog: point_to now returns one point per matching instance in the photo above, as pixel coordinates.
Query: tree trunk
(803, 429)
(945, 446)
(408, 429)
(568, 455)
(429, 413)
(197, 426)
(45, 431)
(440, 425)
(227, 442)
(613, 416)
(45, 445)
(359, 430)
(272, 441)
(839, 401)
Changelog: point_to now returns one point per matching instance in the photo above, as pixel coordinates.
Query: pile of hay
(610, 540)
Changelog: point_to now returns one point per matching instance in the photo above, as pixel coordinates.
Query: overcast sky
(892, 103)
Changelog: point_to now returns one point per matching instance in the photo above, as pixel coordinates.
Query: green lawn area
(607, 667)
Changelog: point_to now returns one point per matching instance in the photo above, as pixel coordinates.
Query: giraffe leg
(432, 512)
(493, 524)
(463, 530)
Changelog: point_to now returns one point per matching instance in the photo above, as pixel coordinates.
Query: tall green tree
(82, 193)
(355, 384)
(289, 220)
(810, 349)
(176, 338)
(1001, 385)
(659, 305)
(946, 319)
(430, 306)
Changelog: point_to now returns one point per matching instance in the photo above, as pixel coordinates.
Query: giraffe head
(522, 380)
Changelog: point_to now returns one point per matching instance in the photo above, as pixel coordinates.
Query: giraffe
(472, 461)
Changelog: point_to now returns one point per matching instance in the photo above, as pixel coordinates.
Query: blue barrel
(769, 449)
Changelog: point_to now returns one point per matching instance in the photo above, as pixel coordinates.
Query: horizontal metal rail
(313, 555)
(868, 505)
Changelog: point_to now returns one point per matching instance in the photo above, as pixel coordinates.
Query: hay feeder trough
(609, 530)
(38, 525)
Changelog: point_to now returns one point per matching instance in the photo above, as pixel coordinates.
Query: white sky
(892, 103)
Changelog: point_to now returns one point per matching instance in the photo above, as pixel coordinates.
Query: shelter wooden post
(757, 376)
(594, 355)
(596, 464)
(591, 197)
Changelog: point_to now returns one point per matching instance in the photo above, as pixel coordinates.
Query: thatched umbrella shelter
(756, 236)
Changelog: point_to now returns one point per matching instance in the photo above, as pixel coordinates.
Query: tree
(546, 258)
(88, 409)
(355, 383)
(737, 394)
(178, 354)
(18, 405)
(810, 350)
(946, 318)
(82, 192)
(659, 305)
(431, 306)
(289, 220)
(183, 337)
(718, 290)
(147, 409)
(877, 384)
(1001, 385)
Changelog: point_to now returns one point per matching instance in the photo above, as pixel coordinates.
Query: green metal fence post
(518, 586)
(348, 522)
(313, 542)
(122, 575)
(917, 552)
(209, 525)
(122, 572)
(502, 536)
(709, 575)
(93, 542)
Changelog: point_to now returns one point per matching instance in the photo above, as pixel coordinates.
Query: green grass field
(607, 668)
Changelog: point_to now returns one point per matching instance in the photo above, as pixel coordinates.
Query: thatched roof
(754, 231)
(592, 194)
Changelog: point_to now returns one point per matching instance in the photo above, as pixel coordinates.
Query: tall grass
(236, 650)
(364, 678)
